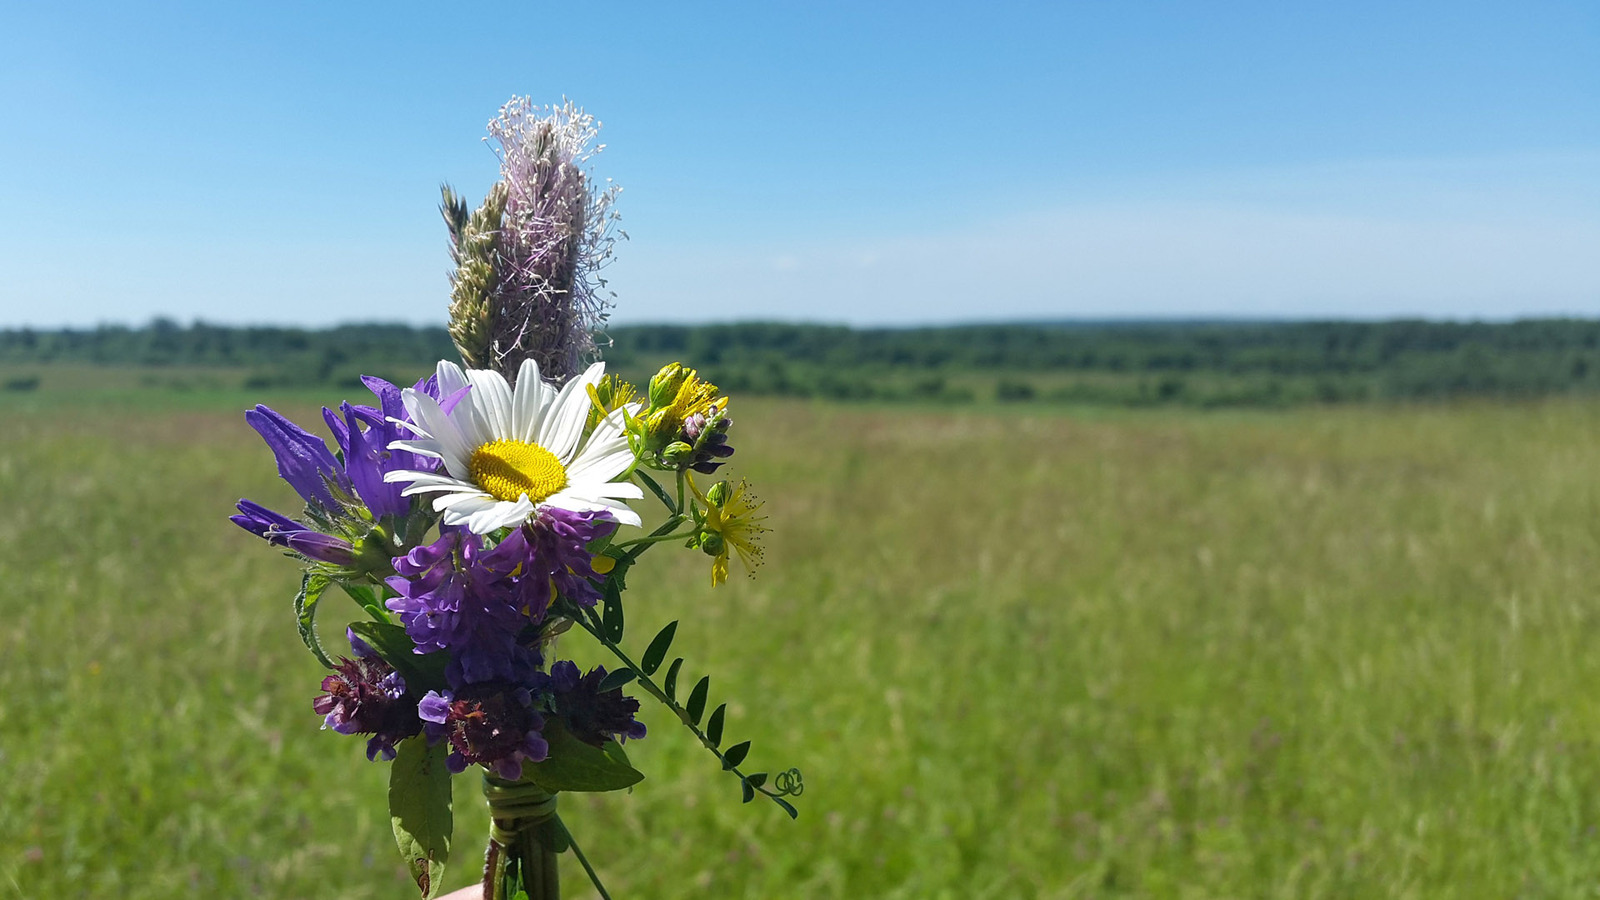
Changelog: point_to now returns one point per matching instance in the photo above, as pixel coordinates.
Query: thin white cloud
(1453, 240)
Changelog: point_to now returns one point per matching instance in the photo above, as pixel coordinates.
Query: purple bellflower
(346, 497)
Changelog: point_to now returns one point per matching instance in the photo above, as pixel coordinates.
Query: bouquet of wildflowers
(482, 512)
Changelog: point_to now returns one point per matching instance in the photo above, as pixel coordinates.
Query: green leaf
(735, 755)
(611, 621)
(553, 834)
(575, 766)
(422, 672)
(670, 683)
(756, 780)
(697, 699)
(312, 588)
(714, 727)
(748, 790)
(657, 651)
(419, 810)
(368, 598)
(787, 807)
(614, 680)
(615, 751)
(656, 489)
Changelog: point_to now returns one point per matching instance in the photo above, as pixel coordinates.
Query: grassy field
(1041, 653)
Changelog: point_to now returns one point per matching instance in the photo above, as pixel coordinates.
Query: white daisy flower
(507, 454)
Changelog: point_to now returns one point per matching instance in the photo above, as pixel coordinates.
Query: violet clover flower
(457, 596)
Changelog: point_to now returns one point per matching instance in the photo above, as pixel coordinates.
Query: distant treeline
(1205, 363)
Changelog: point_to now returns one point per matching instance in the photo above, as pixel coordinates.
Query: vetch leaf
(312, 588)
(787, 807)
(735, 755)
(748, 790)
(757, 780)
(697, 699)
(614, 680)
(611, 620)
(419, 810)
(714, 726)
(576, 766)
(658, 490)
(422, 672)
(657, 651)
(670, 683)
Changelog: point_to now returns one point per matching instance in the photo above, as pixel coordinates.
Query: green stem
(654, 538)
(583, 860)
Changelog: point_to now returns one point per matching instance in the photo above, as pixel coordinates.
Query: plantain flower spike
(527, 279)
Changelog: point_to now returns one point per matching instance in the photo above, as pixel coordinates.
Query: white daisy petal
(619, 511)
(429, 481)
(407, 425)
(529, 401)
(563, 422)
(425, 410)
(468, 416)
(462, 504)
(415, 489)
(600, 466)
(620, 490)
(492, 397)
(421, 447)
(451, 378)
(498, 515)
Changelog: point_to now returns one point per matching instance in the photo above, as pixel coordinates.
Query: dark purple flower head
(592, 716)
(366, 695)
(493, 725)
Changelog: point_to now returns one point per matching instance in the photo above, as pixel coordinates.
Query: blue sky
(864, 163)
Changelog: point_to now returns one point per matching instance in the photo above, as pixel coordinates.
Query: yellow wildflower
(731, 522)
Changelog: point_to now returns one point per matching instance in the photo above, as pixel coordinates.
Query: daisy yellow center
(507, 469)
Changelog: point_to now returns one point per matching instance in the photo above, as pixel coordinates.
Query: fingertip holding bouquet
(480, 513)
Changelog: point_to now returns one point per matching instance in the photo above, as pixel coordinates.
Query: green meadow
(1018, 652)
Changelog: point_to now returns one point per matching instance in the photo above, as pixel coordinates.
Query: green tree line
(1207, 363)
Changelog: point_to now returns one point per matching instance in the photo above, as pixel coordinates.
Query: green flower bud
(677, 453)
(712, 544)
(664, 386)
(718, 495)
